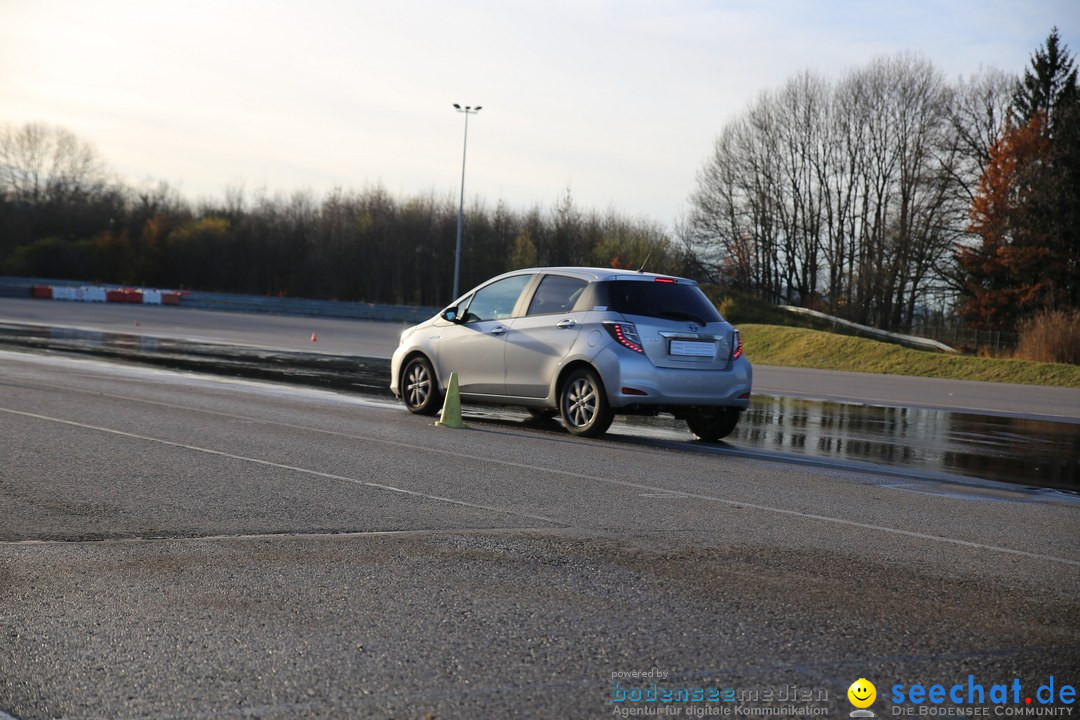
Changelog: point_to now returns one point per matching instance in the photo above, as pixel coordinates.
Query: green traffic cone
(451, 409)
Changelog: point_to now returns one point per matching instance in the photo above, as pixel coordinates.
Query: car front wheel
(419, 388)
(583, 405)
(712, 425)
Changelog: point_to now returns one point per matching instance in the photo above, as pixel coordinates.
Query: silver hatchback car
(583, 343)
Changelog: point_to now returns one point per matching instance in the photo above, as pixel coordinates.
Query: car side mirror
(450, 314)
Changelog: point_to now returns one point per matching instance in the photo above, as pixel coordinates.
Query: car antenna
(642, 268)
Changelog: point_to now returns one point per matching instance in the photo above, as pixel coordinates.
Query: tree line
(880, 197)
(364, 245)
(891, 193)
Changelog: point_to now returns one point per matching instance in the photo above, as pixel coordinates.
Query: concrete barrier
(303, 306)
(226, 302)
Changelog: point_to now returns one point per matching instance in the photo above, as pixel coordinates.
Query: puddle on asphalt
(1009, 449)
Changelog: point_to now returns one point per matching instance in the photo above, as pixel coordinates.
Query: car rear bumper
(632, 380)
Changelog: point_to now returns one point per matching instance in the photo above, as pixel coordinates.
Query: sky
(618, 100)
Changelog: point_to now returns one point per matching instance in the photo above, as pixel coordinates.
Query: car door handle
(498, 330)
(565, 324)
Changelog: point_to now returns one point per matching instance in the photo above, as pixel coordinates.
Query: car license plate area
(692, 348)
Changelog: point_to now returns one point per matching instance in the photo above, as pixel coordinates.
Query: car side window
(496, 301)
(556, 294)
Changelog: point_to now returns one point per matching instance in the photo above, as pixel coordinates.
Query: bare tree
(836, 194)
(40, 163)
(977, 111)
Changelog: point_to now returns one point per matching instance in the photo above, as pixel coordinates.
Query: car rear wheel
(712, 425)
(583, 405)
(419, 388)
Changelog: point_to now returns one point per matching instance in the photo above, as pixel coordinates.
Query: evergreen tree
(1049, 84)
(1005, 276)
(1027, 209)
(1052, 206)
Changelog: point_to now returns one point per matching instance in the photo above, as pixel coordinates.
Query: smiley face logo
(862, 693)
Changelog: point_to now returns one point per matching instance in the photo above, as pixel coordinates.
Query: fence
(970, 339)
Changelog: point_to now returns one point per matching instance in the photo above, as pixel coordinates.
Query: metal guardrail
(228, 302)
(918, 343)
(302, 306)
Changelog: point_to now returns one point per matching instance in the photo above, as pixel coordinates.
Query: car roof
(600, 274)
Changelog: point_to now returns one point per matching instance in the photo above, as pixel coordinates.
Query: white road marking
(300, 536)
(268, 463)
(532, 468)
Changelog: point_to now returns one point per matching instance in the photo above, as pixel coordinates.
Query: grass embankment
(803, 347)
(776, 337)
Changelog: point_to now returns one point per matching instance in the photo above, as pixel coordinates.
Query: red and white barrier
(79, 294)
(101, 294)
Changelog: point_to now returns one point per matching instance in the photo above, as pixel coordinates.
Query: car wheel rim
(581, 403)
(417, 385)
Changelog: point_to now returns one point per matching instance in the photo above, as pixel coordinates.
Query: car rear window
(671, 301)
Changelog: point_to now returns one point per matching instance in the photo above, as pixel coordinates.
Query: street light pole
(468, 110)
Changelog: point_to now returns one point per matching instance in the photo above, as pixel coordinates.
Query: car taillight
(736, 351)
(665, 280)
(626, 335)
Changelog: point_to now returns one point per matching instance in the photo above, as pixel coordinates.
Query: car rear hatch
(685, 345)
(677, 326)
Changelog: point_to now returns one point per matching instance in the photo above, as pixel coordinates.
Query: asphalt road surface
(378, 340)
(179, 546)
(280, 332)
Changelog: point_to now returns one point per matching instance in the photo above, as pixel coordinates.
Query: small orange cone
(314, 338)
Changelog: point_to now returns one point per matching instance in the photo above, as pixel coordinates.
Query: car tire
(420, 388)
(713, 425)
(583, 404)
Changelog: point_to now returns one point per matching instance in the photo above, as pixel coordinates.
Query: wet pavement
(1009, 449)
(339, 372)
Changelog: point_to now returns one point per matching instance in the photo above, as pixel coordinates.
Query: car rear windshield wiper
(679, 315)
